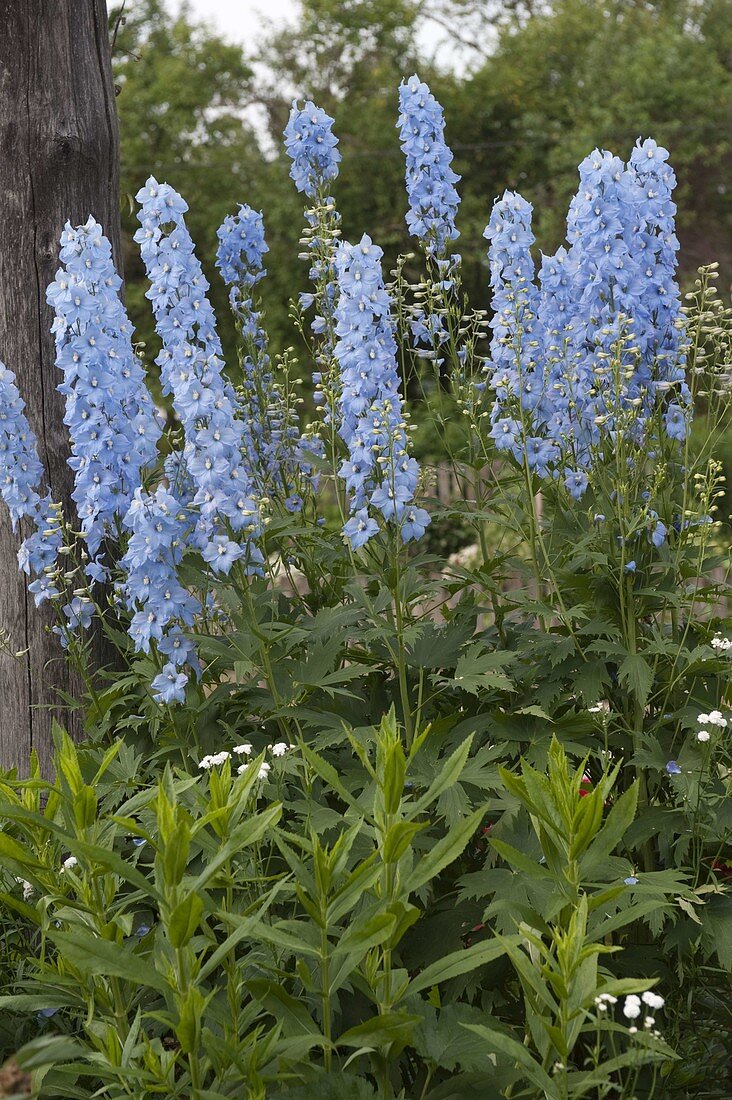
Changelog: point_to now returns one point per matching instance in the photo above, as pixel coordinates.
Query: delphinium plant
(306, 816)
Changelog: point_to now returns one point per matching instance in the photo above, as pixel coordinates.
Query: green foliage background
(534, 88)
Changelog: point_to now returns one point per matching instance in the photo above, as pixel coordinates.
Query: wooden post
(59, 161)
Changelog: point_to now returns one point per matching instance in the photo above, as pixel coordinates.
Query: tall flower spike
(312, 146)
(21, 475)
(274, 460)
(161, 607)
(608, 308)
(594, 350)
(567, 414)
(379, 473)
(240, 259)
(657, 244)
(516, 373)
(109, 412)
(433, 199)
(191, 370)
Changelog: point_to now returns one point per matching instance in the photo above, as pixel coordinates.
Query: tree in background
(58, 161)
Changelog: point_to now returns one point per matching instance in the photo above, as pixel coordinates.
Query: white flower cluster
(216, 759)
(69, 863)
(714, 718)
(720, 643)
(633, 1007)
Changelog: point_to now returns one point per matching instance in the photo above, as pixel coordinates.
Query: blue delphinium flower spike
(275, 457)
(109, 411)
(430, 180)
(379, 473)
(192, 373)
(312, 147)
(21, 477)
(162, 608)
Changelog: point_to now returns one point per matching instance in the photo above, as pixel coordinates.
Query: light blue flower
(276, 455)
(611, 292)
(312, 146)
(433, 199)
(169, 686)
(379, 472)
(191, 367)
(21, 479)
(109, 412)
(360, 528)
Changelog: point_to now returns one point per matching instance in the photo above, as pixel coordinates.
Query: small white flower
(264, 769)
(28, 890)
(648, 1022)
(714, 718)
(632, 1031)
(723, 644)
(214, 760)
(702, 735)
(243, 750)
(279, 748)
(653, 1000)
(68, 863)
(632, 1007)
(599, 708)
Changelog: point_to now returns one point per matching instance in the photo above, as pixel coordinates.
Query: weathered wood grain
(58, 162)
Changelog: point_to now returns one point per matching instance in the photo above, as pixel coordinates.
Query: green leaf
(636, 674)
(94, 956)
(48, 1050)
(499, 1042)
(95, 856)
(184, 920)
(519, 860)
(448, 775)
(335, 1086)
(379, 1031)
(443, 1042)
(478, 671)
(460, 962)
(398, 838)
(443, 853)
(617, 823)
(248, 832)
(16, 854)
(289, 1011)
(327, 772)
